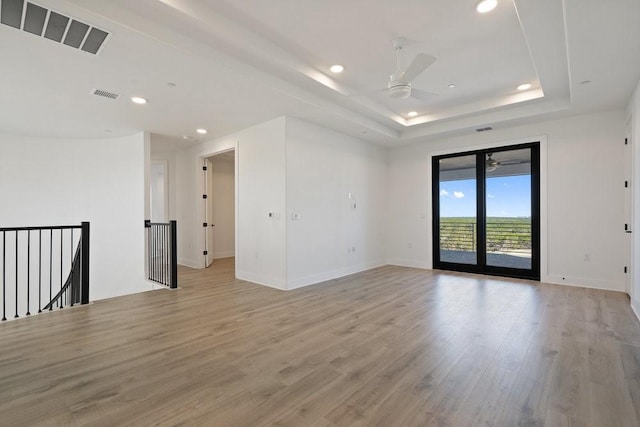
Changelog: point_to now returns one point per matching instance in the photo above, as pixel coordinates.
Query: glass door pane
(458, 210)
(508, 209)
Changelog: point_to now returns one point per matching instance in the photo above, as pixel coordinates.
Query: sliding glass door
(486, 211)
(458, 210)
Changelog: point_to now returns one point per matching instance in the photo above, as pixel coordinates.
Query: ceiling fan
(400, 81)
(492, 164)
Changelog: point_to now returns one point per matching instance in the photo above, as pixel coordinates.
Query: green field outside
(503, 234)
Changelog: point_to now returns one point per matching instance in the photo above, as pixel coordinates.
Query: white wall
(170, 159)
(331, 238)
(634, 121)
(159, 191)
(66, 181)
(583, 197)
(288, 166)
(223, 200)
(260, 189)
(261, 251)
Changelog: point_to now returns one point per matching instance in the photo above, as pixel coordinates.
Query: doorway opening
(219, 207)
(486, 211)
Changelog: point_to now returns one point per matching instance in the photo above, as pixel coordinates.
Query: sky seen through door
(507, 196)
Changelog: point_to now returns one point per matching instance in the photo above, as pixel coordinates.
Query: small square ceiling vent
(46, 23)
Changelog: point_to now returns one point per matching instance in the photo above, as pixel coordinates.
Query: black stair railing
(162, 255)
(35, 262)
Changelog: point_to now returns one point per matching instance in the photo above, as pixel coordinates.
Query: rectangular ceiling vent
(105, 93)
(484, 129)
(51, 25)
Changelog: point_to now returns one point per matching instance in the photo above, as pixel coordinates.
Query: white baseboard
(262, 280)
(190, 263)
(153, 286)
(408, 263)
(227, 254)
(635, 307)
(329, 275)
(603, 285)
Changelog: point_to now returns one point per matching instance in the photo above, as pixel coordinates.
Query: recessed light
(485, 6)
(585, 82)
(337, 68)
(138, 100)
(201, 131)
(452, 85)
(171, 84)
(108, 130)
(412, 113)
(524, 86)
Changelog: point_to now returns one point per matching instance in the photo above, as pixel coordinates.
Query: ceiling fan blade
(421, 62)
(423, 95)
(514, 162)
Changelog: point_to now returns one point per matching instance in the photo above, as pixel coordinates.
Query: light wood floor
(390, 346)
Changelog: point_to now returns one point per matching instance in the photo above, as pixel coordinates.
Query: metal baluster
(152, 250)
(28, 269)
(160, 253)
(73, 297)
(40, 271)
(164, 254)
(16, 316)
(155, 250)
(50, 268)
(60, 299)
(4, 276)
(151, 228)
(148, 229)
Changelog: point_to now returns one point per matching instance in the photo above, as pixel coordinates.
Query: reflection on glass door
(508, 208)
(486, 211)
(458, 210)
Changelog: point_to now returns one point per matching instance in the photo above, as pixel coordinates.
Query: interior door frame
(208, 210)
(481, 266)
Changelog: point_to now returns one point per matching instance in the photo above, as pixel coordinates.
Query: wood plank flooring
(391, 346)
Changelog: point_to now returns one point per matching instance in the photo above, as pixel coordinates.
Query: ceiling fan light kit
(484, 6)
(491, 164)
(399, 90)
(399, 86)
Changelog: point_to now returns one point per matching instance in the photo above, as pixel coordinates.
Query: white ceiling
(236, 64)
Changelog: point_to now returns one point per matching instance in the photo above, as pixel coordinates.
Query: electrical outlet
(587, 257)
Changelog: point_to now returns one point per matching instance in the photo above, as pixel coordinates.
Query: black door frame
(481, 264)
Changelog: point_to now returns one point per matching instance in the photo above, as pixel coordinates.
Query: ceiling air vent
(484, 129)
(105, 93)
(54, 26)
